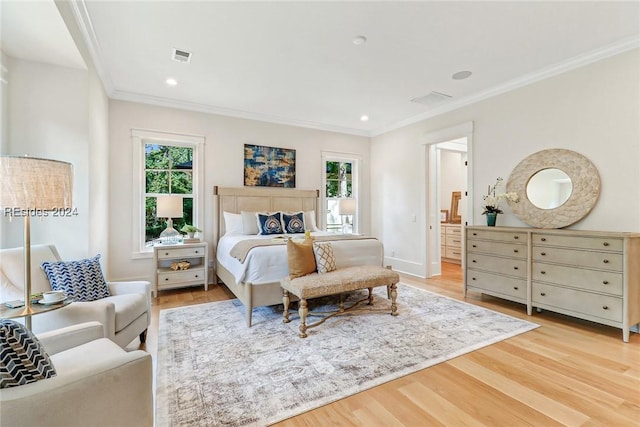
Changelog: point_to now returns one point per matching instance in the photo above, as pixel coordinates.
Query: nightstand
(196, 254)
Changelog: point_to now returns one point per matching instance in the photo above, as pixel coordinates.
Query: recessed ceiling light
(171, 81)
(358, 40)
(364, 118)
(461, 75)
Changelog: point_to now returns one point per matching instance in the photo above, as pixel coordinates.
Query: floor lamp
(347, 207)
(32, 187)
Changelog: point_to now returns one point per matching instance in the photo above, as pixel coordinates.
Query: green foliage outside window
(168, 170)
(338, 176)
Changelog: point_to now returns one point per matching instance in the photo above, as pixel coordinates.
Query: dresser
(586, 274)
(451, 242)
(165, 277)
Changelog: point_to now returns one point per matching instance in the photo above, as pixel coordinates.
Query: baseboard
(406, 267)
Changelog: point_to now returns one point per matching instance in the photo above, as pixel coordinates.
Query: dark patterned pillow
(270, 223)
(23, 359)
(293, 223)
(81, 280)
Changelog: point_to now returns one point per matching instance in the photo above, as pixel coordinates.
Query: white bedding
(268, 264)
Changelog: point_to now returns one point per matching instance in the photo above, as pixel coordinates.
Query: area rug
(214, 371)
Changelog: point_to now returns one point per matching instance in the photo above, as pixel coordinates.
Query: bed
(256, 280)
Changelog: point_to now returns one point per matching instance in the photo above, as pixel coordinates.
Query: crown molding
(545, 73)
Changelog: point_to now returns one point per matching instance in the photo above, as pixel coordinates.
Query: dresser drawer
(509, 286)
(180, 277)
(498, 248)
(600, 281)
(602, 306)
(578, 242)
(453, 253)
(454, 241)
(498, 236)
(513, 267)
(172, 253)
(454, 231)
(577, 258)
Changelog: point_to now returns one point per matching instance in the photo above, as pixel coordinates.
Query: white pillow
(249, 224)
(310, 221)
(8, 291)
(232, 223)
(325, 259)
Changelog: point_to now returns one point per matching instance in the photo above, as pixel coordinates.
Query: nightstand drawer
(174, 277)
(171, 253)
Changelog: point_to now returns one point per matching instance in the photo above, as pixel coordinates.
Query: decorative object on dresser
(451, 243)
(31, 186)
(178, 266)
(556, 188)
(592, 275)
(491, 202)
(212, 370)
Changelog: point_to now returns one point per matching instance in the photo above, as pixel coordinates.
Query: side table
(196, 254)
(35, 308)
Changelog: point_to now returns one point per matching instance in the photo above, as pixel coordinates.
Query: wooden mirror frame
(455, 217)
(584, 178)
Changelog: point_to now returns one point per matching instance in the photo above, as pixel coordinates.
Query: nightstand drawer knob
(166, 254)
(543, 240)
(196, 251)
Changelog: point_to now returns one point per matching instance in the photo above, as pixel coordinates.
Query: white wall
(225, 138)
(47, 116)
(593, 110)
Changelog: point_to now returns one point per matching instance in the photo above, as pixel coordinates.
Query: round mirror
(549, 188)
(556, 188)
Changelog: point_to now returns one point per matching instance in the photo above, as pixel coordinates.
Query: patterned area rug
(214, 371)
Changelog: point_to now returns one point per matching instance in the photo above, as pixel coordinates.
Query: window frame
(140, 138)
(355, 161)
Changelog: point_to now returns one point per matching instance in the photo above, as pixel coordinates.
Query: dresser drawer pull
(543, 253)
(196, 251)
(166, 278)
(515, 287)
(543, 272)
(473, 246)
(515, 251)
(473, 278)
(605, 282)
(542, 294)
(515, 268)
(516, 237)
(166, 254)
(196, 276)
(473, 260)
(606, 261)
(543, 239)
(475, 234)
(604, 307)
(605, 244)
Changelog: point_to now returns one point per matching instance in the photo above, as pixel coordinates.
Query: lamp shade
(347, 207)
(33, 183)
(169, 207)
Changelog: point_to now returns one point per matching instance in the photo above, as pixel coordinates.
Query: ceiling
(296, 63)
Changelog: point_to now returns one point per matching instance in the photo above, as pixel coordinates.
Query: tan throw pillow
(301, 259)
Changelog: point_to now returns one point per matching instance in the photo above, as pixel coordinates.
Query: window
(164, 164)
(339, 183)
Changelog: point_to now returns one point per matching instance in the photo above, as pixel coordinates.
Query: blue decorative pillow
(270, 223)
(23, 359)
(293, 223)
(81, 280)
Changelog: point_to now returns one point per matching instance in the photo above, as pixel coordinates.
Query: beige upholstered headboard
(261, 199)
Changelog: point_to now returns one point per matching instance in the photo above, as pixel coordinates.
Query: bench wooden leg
(394, 294)
(303, 310)
(370, 296)
(285, 301)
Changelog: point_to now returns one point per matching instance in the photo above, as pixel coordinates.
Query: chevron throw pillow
(81, 280)
(23, 359)
(325, 259)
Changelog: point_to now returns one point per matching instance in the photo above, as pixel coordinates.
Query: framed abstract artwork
(269, 166)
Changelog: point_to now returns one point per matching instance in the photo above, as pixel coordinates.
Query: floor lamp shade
(32, 183)
(169, 207)
(28, 186)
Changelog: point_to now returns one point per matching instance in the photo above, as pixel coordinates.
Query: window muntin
(339, 184)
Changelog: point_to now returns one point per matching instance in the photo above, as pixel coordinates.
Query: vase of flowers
(492, 200)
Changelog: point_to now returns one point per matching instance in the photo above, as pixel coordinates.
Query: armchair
(124, 315)
(97, 384)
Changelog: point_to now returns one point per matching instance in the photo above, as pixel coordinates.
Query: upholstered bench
(337, 282)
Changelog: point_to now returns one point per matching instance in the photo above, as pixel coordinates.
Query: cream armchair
(124, 315)
(97, 384)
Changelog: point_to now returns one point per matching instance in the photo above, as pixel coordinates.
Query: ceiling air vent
(181, 55)
(431, 99)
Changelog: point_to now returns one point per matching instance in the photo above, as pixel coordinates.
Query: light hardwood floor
(566, 372)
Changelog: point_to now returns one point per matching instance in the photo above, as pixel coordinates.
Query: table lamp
(169, 207)
(30, 186)
(347, 207)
